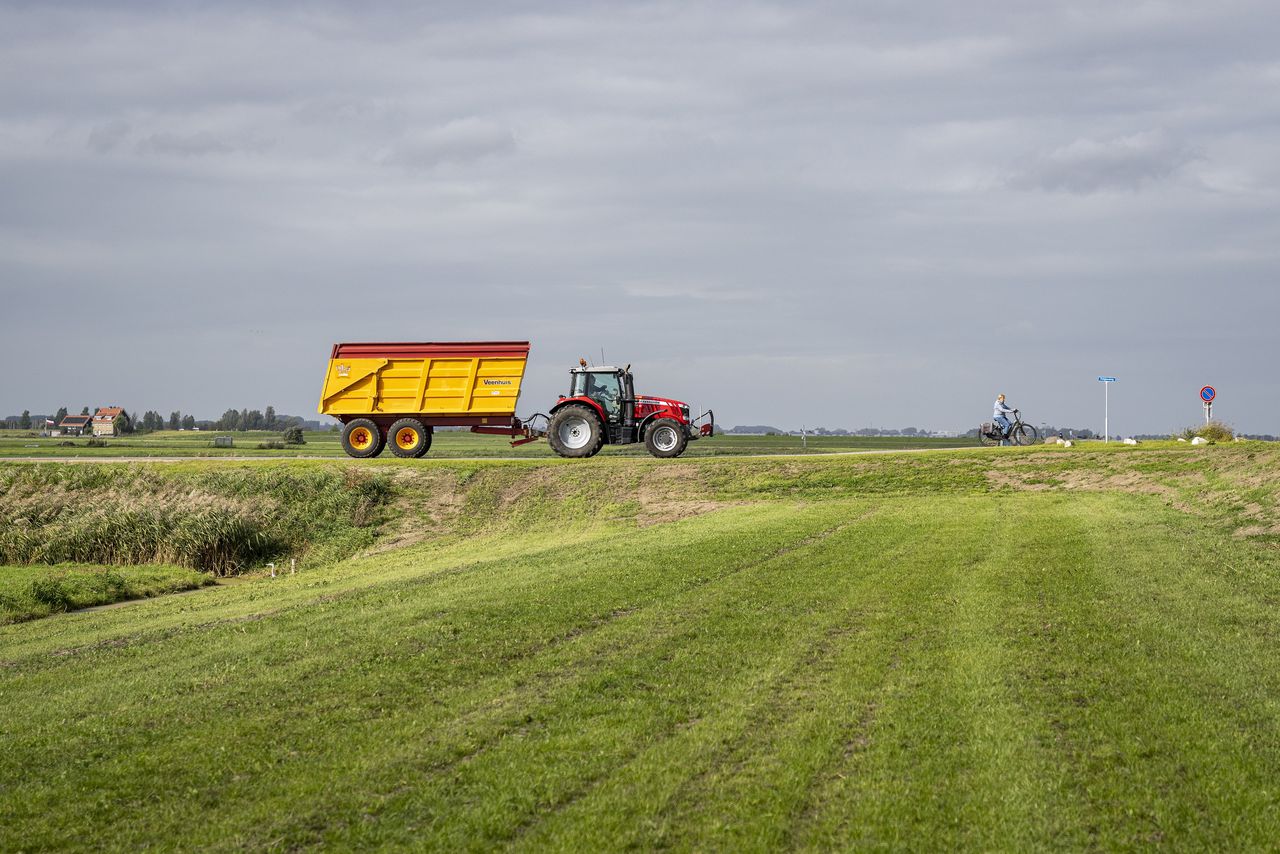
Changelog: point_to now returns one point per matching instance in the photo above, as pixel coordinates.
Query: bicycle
(989, 433)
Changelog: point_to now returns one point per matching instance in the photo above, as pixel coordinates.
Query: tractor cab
(609, 387)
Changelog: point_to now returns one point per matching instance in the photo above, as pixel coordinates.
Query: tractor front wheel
(408, 438)
(666, 438)
(362, 439)
(576, 432)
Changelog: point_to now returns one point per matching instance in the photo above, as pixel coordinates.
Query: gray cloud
(105, 137)
(200, 144)
(183, 145)
(797, 212)
(460, 141)
(1093, 165)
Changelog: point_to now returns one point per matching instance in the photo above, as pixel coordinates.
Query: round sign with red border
(1208, 393)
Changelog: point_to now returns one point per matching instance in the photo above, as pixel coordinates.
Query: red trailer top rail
(431, 350)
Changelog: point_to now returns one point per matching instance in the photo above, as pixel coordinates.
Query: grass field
(1000, 650)
(447, 444)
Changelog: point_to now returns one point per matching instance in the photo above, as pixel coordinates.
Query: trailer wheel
(575, 431)
(408, 438)
(362, 439)
(665, 438)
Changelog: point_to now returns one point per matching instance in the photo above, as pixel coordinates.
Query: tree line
(151, 420)
(253, 419)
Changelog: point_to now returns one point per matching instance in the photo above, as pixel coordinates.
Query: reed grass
(220, 521)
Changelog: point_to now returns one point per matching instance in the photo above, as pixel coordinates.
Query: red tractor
(603, 408)
(395, 395)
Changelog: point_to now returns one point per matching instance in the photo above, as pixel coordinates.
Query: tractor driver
(604, 393)
(1001, 417)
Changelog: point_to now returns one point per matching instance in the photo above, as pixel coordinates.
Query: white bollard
(272, 567)
(293, 566)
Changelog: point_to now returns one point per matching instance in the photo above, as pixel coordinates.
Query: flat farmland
(979, 650)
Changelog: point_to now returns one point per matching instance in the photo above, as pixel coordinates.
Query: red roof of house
(107, 413)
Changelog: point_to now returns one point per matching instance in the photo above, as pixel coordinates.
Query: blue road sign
(1106, 379)
(1208, 393)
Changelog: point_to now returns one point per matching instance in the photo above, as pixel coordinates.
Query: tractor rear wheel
(362, 439)
(408, 438)
(576, 432)
(666, 438)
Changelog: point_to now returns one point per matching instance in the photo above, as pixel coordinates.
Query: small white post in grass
(804, 439)
(1106, 412)
(272, 567)
(293, 566)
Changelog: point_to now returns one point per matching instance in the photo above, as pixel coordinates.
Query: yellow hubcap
(407, 438)
(361, 438)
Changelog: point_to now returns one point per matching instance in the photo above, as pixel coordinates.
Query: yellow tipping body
(478, 385)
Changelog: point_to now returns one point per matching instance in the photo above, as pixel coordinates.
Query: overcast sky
(838, 214)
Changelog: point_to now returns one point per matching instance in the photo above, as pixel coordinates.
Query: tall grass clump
(215, 520)
(1214, 431)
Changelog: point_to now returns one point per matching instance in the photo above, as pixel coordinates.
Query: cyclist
(1001, 417)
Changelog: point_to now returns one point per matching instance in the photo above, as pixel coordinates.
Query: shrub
(270, 446)
(1214, 431)
(96, 442)
(293, 436)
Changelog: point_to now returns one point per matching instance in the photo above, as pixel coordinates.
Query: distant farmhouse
(104, 420)
(75, 425)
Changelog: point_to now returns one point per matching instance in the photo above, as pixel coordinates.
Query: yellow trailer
(396, 393)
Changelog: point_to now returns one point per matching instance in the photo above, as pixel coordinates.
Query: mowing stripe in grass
(562, 678)
(1163, 688)
(581, 732)
(748, 765)
(945, 725)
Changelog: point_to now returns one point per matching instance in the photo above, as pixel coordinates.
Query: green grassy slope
(1008, 650)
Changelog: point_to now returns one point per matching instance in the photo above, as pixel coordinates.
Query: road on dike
(815, 455)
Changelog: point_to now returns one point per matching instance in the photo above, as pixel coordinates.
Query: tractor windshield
(604, 387)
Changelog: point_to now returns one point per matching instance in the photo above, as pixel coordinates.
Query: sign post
(1106, 412)
(1207, 394)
